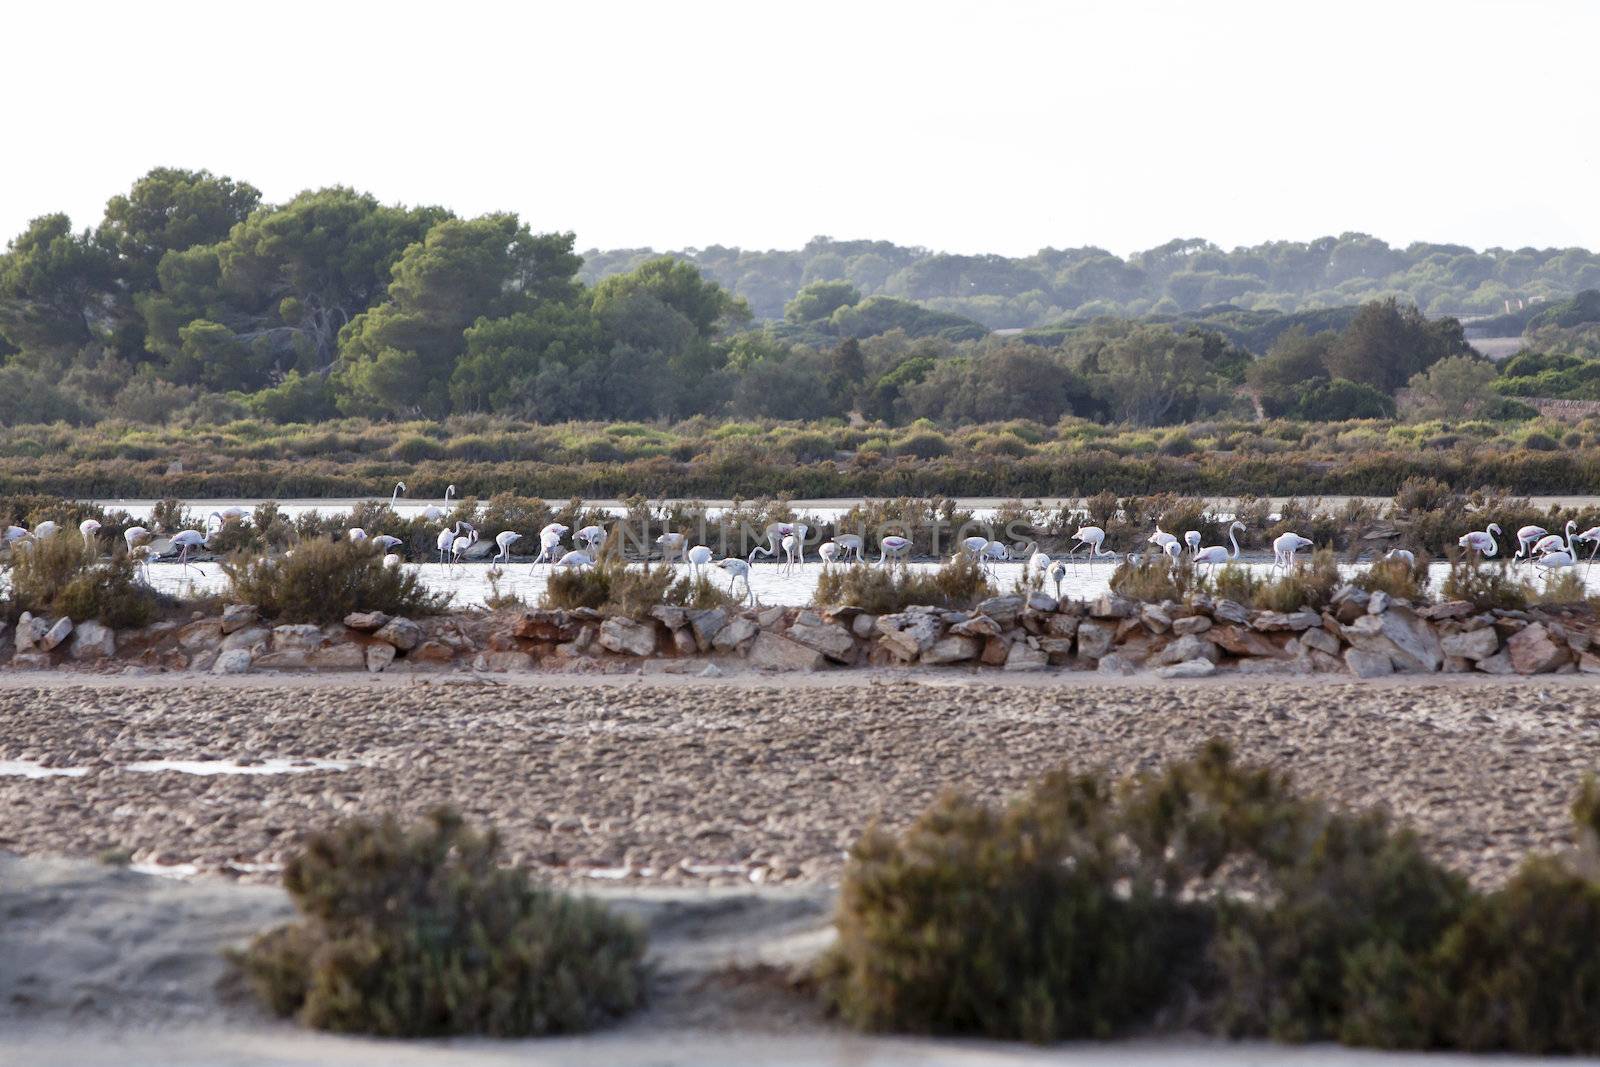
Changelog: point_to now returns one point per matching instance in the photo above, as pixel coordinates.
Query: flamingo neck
(1233, 539)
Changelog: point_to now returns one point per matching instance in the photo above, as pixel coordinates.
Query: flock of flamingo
(1536, 545)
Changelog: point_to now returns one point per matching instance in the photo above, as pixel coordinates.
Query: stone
(1230, 611)
(1577, 640)
(770, 617)
(31, 661)
(93, 640)
(1043, 603)
(1155, 620)
(1274, 666)
(345, 656)
(1536, 650)
(288, 659)
(1296, 621)
(628, 637)
(1111, 606)
(1450, 609)
(433, 652)
(738, 630)
(1094, 639)
(1589, 663)
(231, 661)
(705, 624)
(1002, 609)
(864, 625)
(1188, 647)
(1240, 641)
(1398, 633)
(1457, 665)
(1364, 664)
(1350, 604)
(402, 633)
(683, 642)
(1191, 624)
(1378, 603)
(238, 616)
(769, 651)
(980, 626)
(669, 615)
(1023, 657)
(29, 630)
(1471, 644)
(1189, 668)
(546, 625)
(1059, 649)
(252, 638)
(201, 634)
(995, 651)
(1062, 625)
(364, 621)
(712, 671)
(953, 648)
(500, 662)
(910, 633)
(59, 631)
(1321, 640)
(829, 638)
(379, 655)
(302, 636)
(1116, 663)
(1499, 663)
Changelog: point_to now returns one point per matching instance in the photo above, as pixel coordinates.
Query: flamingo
(575, 558)
(228, 513)
(829, 551)
(893, 545)
(1554, 559)
(14, 534)
(1038, 562)
(433, 512)
(1092, 538)
(738, 570)
(776, 532)
(399, 487)
(974, 545)
(1174, 551)
(186, 540)
(793, 552)
(387, 541)
(135, 536)
(996, 552)
(504, 540)
(698, 557)
(549, 541)
(1192, 539)
(593, 536)
(1526, 537)
(1284, 546)
(1161, 539)
(141, 559)
(392, 560)
(1057, 573)
(849, 544)
(462, 543)
(1481, 541)
(1556, 542)
(447, 538)
(357, 534)
(672, 544)
(1216, 553)
(88, 528)
(1402, 555)
(1591, 535)
(46, 530)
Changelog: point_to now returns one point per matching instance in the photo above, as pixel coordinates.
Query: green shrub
(1153, 579)
(1395, 577)
(323, 581)
(64, 575)
(617, 588)
(418, 931)
(883, 590)
(1486, 586)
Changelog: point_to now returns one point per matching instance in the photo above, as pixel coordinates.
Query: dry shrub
(323, 581)
(1154, 579)
(884, 590)
(1487, 586)
(419, 931)
(64, 575)
(617, 588)
(1396, 577)
(1561, 588)
(1308, 585)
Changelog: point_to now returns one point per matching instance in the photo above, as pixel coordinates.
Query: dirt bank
(748, 781)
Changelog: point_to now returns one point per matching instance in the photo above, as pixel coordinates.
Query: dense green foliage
(1213, 893)
(68, 575)
(418, 931)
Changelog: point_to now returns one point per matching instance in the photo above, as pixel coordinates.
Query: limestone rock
(1589, 663)
(402, 633)
(769, 651)
(1450, 609)
(1155, 620)
(1320, 640)
(58, 632)
(431, 652)
(705, 624)
(1094, 639)
(31, 661)
(995, 651)
(1499, 663)
(1189, 668)
(1536, 650)
(1043, 603)
(94, 640)
(1378, 603)
(1190, 624)
(29, 631)
(1278, 620)
(546, 625)
(345, 656)
(201, 634)
(908, 634)
(1023, 657)
(829, 638)
(738, 630)
(1062, 625)
(1239, 641)
(770, 617)
(511, 660)
(1471, 644)
(954, 648)
(288, 659)
(1230, 611)
(1002, 609)
(683, 642)
(1116, 663)
(231, 661)
(301, 636)
(253, 639)
(864, 625)
(980, 626)
(1365, 664)
(628, 637)
(364, 621)
(238, 616)
(1398, 633)
(1111, 606)
(669, 615)
(1188, 647)
(379, 656)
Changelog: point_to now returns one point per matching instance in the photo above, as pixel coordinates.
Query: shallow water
(22, 768)
(469, 583)
(222, 766)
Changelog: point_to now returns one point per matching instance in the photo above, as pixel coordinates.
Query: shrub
(883, 590)
(418, 931)
(64, 575)
(1486, 586)
(323, 581)
(1561, 588)
(617, 588)
(1395, 577)
(1307, 585)
(169, 515)
(1153, 579)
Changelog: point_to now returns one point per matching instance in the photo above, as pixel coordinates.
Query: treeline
(1179, 276)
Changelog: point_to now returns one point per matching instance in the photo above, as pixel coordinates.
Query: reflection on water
(470, 587)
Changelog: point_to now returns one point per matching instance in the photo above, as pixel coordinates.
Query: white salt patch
(220, 766)
(22, 768)
(166, 870)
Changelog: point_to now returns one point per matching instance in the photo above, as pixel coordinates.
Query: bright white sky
(970, 127)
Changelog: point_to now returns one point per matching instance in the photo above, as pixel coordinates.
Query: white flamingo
(433, 512)
(549, 544)
(1057, 573)
(1554, 559)
(776, 532)
(394, 497)
(1038, 562)
(793, 553)
(1591, 535)
(447, 538)
(187, 540)
(576, 558)
(14, 535)
(974, 545)
(356, 534)
(697, 557)
(46, 530)
(1556, 542)
(1174, 551)
(1526, 538)
(385, 542)
(738, 570)
(1481, 541)
(503, 541)
(829, 551)
(849, 545)
(1161, 539)
(461, 544)
(592, 536)
(1216, 553)
(1192, 539)
(1402, 555)
(1093, 538)
(88, 528)
(1284, 546)
(893, 545)
(392, 560)
(134, 536)
(672, 544)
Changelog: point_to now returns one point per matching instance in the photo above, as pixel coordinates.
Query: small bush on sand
(619, 588)
(1486, 586)
(1396, 577)
(419, 931)
(1308, 585)
(64, 575)
(323, 581)
(1153, 579)
(883, 590)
